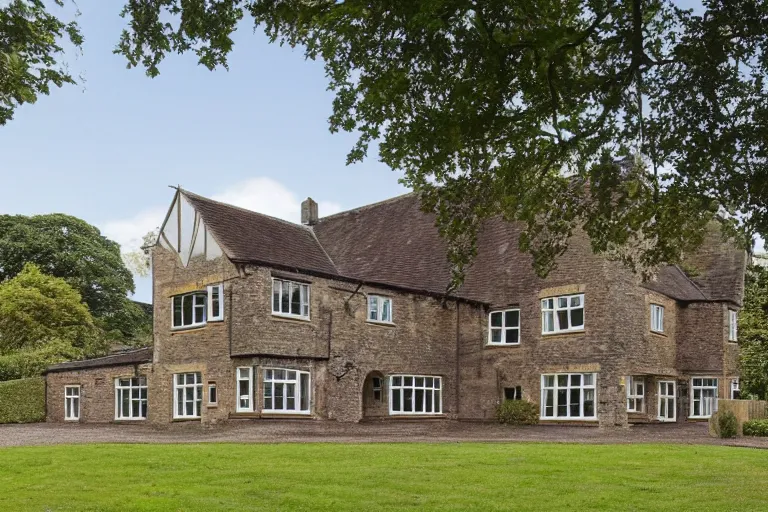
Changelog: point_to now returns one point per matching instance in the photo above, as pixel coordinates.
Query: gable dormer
(185, 233)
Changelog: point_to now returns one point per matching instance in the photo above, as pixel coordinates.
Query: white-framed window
(213, 394)
(244, 389)
(415, 394)
(635, 394)
(187, 395)
(735, 389)
(703, 397)
(286, 391)
(562, 314)
(376, 384)
(379, 309)
(513, 393)
(131, 398)
(733, 325)
(71, 403)
(504, 327)
(290, 298)
(216, 303)
(570, 396)
(657, 318)
(189, 310)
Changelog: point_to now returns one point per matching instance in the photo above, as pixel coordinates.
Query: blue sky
(106, 151)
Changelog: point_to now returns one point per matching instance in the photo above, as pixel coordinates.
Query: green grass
(374, 477)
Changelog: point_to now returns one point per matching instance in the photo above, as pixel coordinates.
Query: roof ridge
(691, 281)
(228, 205)
(368, 206)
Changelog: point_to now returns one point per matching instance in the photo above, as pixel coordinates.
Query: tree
(30, 49)
(636, 121)
(37, 310)
(138, 261)
(753, 334)
(70, 248)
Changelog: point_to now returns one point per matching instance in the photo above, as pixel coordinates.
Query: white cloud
(263, 195)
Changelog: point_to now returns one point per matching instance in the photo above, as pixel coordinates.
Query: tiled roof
(249, 236)
(135, 356)
(394, 243)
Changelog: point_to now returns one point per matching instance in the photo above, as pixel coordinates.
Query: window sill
(660, 333)
(381, 324)
(188, 328)
(562, 333)
(268, 415)
(182, 420)
(699, 418)
(212, 406)
(129, 420)
(568, 420)
(290, 318)
(502, 345)
(405, 416)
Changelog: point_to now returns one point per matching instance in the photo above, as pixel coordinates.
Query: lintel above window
(504, 327)
(562, 314)
(379, 309)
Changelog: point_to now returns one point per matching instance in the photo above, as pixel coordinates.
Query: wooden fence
(744, 410)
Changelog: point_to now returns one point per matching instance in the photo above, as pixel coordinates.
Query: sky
(256, 136)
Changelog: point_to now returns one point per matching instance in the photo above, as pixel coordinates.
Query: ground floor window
(377, 388)
(735, 389)
(131, 398)
(514, 393)
(635, 394)
(188, 395)
(415, 394)
(704, 397)
(244, 387)
(568, 396)
(213, 395)
(71, 403)
(286, 391)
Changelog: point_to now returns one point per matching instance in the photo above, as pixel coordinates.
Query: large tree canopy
(70, 248)
(633, 120)
(753, 334)
(30, 50)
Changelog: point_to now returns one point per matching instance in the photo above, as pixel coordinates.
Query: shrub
(22, 401)
(31, 363)
(756, 428)
(517, 412)
(728, 425)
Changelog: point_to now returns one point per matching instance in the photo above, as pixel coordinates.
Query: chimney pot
(309, 213)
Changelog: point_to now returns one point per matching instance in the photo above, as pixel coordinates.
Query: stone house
(346, 318)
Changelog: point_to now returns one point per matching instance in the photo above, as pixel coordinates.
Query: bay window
(286, 391)
(562, 314)
(415, 394)
(568, 396)
(244, 389)
(703, 397)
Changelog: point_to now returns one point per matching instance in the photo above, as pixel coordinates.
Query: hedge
(517, 412)
(22, 400)
(755, 428)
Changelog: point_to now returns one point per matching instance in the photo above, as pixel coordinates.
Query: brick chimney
(309, 213)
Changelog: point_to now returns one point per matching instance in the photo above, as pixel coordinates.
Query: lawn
(377, 477)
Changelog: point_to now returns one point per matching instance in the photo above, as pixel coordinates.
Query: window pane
(396, 381)
(216, 301)
(295, 299)
(276, 296)
(418, 400)
(511, 318)
(373, 307)
(305, 300)
(187, 313)
(386, 313)
(304, 391)
(548, 321)
(562, 319)
(562, 381)
(495, 335)
(575, 301)
(290, 397)
(396, 406)
(577, 317)
(575, 402)
(576, 380)
(438, 403)
(562, 302)
(562, 403)
(512, 335)
(549, 407)
(176, 311)
(496, 319)
(285, 304)
(589, 379)
(589, 403)
(408, 400)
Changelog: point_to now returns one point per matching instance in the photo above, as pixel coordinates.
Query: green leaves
(517, 108)
(753, 334)
(30, 49)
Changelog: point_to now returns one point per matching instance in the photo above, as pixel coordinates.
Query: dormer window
(379, 309)
(562, 314)
(290, 298)
(504, 327)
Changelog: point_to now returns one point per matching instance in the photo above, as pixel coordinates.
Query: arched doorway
(375, 396)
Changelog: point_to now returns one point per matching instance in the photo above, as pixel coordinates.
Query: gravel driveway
(302, 431)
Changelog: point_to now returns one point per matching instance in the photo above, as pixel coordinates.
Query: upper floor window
(562, 314)
(290, 298)
(733, 318)
(379, 309)
(504, 327)
(657, 318)
(197, 308)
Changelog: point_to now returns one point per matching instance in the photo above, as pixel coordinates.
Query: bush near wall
(756, 428)
(22, 400)
(517, 412)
